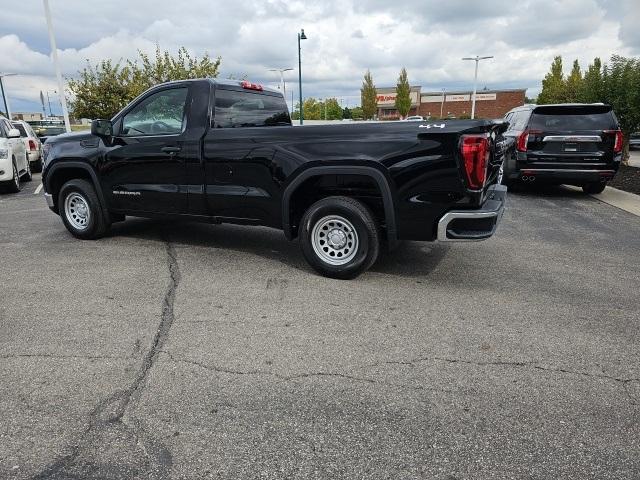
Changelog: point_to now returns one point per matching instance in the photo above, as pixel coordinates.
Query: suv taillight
(475, 156)
(618, 141)
(251, 86)
(32, 145)
(523, 139)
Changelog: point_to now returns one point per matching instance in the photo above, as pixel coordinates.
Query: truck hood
(71, 137)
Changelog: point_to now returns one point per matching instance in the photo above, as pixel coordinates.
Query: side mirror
(102, 128)
(13, 133)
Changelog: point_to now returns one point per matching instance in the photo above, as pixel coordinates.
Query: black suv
(574, 144)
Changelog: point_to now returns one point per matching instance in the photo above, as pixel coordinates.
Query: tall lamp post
(475, 82)
(56, 64)
(301, 36)
(7, 108)
(283, 85)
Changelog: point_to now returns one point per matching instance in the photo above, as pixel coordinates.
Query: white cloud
(345, 38)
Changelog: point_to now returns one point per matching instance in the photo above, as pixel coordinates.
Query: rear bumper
(474, 225)
(564, 175)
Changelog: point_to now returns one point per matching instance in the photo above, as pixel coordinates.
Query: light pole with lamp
(4, 96)
(283, 85)
(301, 36)
(475, 81)
(442, 104)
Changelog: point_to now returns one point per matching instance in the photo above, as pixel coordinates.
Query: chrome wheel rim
(76, 209)
(335, 240)
(16, 177)
(500, 174)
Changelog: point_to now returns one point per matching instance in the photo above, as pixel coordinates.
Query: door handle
(170, 150)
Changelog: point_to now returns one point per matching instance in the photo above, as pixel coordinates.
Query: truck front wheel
(339, 237)
(81, 211)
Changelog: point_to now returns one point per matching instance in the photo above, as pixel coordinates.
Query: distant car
(14, 163)
(47, 128)
(32, 144)
(573, 143)
(634, 140)
(415, 118)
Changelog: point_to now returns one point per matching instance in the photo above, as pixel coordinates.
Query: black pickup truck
(226, 151)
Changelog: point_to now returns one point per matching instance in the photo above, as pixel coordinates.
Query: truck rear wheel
(339, 237)
(81, 211)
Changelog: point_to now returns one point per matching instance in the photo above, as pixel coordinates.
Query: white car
(14, 163)
(414, 118)
(32, 144)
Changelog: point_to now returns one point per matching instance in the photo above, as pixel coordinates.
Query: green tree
(346, 112)
(368, 97)
(333, 109)
(621, 90)
(403, 94)
(101, 90)
(357, 113)
(553, 85)
(592, 87)
(573, 85)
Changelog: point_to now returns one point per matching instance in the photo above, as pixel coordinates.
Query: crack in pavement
(57, 356)
(108, 442)
(532, 364)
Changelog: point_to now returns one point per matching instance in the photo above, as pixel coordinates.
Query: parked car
(14, 163)
(414, 118)
(47, 128)
(574, 144)
(634, 140)
(225, 151)
(32, 144)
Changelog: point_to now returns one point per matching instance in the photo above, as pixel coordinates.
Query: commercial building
(489, 103)
(27, 116)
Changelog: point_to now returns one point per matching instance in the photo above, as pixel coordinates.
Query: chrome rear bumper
(474, 225)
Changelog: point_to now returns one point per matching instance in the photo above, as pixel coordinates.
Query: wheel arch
(60, 173)
(378, 177)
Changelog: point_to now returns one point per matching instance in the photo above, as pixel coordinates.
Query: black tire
(364, 234)
(595, 187)
(27, 176)
(80, 192)
(14, 185)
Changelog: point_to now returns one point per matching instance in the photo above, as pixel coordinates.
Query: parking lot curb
(626, 201)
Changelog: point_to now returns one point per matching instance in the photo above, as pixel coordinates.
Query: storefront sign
(384, 99)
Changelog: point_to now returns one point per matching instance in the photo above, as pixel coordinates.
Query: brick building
(489, 103)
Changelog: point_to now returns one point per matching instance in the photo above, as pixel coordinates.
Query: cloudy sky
(345, 37)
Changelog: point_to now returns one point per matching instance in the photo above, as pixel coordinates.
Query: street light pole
(475, 81)
(442, 104)
(301, 36)
(283, 85)
(7, 108)
(56, 64)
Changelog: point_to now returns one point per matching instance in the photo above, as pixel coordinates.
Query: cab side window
(162, 113)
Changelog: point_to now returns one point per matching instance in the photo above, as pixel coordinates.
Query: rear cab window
(575, 118)
(245, 108)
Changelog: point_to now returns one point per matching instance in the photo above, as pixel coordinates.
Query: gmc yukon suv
(225, 151)
(576, 144)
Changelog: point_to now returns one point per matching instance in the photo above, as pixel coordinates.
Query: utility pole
(56, 65)
(475, 81)
(442, 104)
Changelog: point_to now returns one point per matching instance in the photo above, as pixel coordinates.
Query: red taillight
(251, 86)
(475, 155)
(618, 141)
(32, 145)
(523, 139)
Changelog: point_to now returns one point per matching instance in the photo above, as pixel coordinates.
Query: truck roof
(234, 84)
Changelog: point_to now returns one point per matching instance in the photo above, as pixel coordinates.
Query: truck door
(242, 180)
(144, 170)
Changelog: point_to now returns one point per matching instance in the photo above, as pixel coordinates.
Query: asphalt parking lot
(200, 351)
